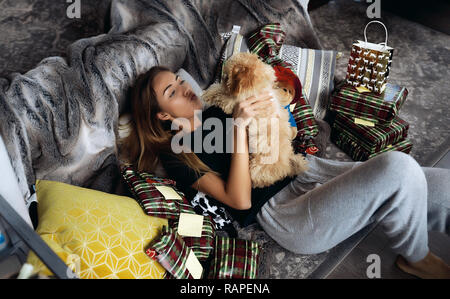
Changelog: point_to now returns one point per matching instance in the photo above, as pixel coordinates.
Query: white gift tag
(364, 122)
(168, 192)
(190, 225)
(193, 265)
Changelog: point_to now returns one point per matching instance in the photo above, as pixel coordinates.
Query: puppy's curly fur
(271, 154)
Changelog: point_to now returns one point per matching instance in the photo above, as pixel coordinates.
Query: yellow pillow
(99, 235)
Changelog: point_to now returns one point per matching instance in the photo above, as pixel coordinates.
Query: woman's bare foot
(431, 267)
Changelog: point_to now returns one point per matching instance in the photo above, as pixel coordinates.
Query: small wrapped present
(204, 245)
(353, 148)
(157, 196)
(371, 139)
(266, 42)
(173, 254)
(234, 258)
(368, 106)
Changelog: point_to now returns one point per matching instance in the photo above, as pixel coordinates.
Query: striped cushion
(234, 258)
(315, 68)
(234, 43)
(143, 187)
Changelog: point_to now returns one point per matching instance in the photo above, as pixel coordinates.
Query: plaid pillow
(143, 187)
(204, 245)
(234, 258)
(171, 252)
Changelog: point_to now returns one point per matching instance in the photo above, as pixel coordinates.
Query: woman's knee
(404, 170)
(402, 165)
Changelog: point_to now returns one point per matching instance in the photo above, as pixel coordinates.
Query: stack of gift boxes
(366, 123)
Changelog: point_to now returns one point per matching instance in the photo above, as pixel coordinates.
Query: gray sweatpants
(333, 200)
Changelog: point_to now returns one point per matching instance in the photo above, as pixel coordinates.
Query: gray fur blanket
(59, 120)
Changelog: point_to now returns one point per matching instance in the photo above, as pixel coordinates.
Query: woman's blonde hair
(150, 136)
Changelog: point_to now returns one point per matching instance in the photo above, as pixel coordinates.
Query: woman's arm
(236, 191)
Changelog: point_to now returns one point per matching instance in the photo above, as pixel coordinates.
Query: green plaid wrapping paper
(372, 139)
(204, 245)
(401, 146)
(234, 259)
(346, 143)
(307, 127)
(380, 109)
(143, 187)
(266, 42)
(171, 252)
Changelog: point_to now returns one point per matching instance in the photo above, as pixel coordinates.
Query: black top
(219, 160)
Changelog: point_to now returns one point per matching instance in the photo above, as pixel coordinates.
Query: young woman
(307, 214)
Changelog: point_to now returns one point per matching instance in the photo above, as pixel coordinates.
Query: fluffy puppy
(271, 154)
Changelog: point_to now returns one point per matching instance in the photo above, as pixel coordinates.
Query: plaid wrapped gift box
(358, 153)
(369, 106)
(171, 252)
(234, 258)
(371, 139)
(143, 187)
(203, 245)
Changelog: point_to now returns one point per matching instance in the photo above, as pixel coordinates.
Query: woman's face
(175, 97)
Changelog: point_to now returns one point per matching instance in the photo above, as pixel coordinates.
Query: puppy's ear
(242, 78)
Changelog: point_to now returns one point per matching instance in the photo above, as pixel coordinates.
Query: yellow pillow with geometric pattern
(98, 235)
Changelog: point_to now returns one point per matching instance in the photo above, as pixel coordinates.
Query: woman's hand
(246, 110)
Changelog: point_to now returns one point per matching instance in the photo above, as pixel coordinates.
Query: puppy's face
(247, 75)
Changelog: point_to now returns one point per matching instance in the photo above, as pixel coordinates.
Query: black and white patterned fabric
(207, 206)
